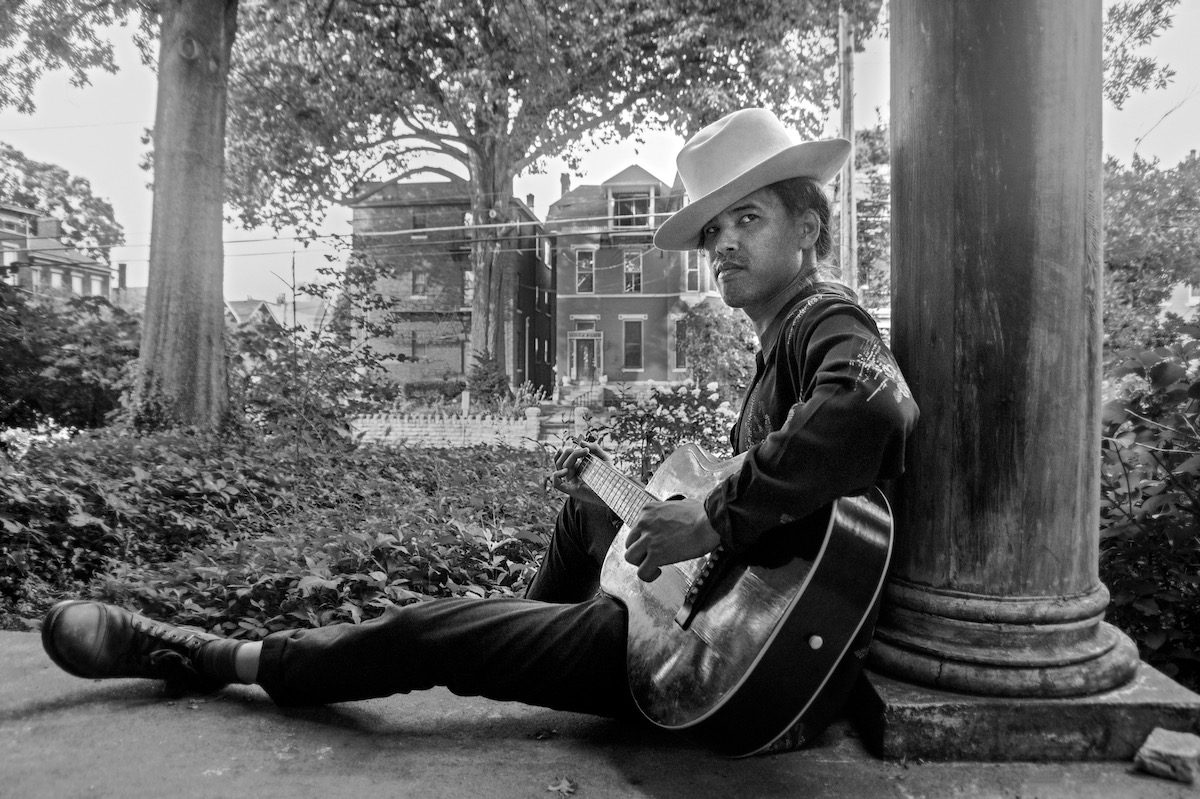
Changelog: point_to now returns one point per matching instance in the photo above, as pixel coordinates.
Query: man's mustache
(721, 263)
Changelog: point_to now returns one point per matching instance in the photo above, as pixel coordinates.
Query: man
(827, 415)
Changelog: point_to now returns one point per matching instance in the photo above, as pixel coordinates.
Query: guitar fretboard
(623, 495)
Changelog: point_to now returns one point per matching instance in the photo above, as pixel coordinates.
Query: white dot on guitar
(815, 642)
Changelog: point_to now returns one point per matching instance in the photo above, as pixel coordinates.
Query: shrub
(487, 381)
(434, 392)
(1150, 505)
(647, 428)
(65, 359)
(241, 537)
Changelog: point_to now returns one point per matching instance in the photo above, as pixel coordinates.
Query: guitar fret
(624, 496)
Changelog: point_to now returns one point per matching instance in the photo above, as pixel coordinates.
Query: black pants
(561, 647)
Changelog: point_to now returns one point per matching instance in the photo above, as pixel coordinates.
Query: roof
(427, 193)
(243, 310)
(590, 200)
(18, 209)
(634, 176)
(54, 251)
(413, 193)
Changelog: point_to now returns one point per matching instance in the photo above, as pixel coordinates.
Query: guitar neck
(623, 495)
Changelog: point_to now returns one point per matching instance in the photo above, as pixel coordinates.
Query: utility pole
(848, 229)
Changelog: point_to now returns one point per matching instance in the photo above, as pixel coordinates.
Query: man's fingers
(636, 554)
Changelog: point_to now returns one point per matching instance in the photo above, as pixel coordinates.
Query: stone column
(996, 281)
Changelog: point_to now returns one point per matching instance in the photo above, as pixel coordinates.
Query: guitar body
(765, 656)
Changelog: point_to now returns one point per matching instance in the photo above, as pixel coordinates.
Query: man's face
(755, 250)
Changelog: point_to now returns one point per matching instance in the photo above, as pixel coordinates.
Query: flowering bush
(1150, 504)
(648, 427)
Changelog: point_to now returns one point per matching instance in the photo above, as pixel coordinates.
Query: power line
(71, 127)
(519, 233)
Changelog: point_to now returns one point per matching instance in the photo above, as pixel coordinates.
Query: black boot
(94, 640)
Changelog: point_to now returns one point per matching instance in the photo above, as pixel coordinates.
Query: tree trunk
(182, 378)
(494, 289)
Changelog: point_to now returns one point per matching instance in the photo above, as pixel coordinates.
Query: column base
(899, 720)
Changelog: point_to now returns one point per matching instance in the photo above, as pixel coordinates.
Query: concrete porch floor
(65, 737)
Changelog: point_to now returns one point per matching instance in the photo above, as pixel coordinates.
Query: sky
(95, 132)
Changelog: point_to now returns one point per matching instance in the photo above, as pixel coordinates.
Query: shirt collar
(771, 336)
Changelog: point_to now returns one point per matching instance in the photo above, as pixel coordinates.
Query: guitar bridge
(709, 573)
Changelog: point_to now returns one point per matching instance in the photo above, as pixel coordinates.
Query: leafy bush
(309, 380)
(433, 392)
(69, 509)
(1150, 504)
(647, 428)
(243, 537)
(719, 346)
(65, 359)
(487, 381)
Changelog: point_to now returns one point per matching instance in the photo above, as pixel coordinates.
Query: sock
(218, 659)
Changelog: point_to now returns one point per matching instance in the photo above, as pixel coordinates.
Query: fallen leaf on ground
(564, 787)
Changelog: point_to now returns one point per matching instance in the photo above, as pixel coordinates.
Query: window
(633, 343)
(419, 346)
(420, 220)
(585, 324)
(77, 283)
(420, 283)
(631, 209)
(680, 344)
(468, 287)
(633, 272)
(585, 272)
(97, 286)
(691, 268)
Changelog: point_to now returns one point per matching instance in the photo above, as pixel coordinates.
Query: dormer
(635, 199)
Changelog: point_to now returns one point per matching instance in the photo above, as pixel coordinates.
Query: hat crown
(730, 147)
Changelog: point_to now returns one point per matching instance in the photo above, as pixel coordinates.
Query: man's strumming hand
(668, 532)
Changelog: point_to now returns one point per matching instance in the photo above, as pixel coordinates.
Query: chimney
(49, 228)
(121, 272)
(564, 180)
(529, 200)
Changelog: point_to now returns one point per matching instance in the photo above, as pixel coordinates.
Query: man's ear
(810, 229)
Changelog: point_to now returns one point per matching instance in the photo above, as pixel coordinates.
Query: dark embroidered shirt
(826, 416)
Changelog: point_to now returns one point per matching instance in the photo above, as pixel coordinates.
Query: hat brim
(818, 160)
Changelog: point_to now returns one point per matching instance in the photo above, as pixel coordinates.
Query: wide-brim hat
(735, 156)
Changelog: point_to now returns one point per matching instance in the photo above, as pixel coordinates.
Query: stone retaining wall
(422, 430)
(441, 430)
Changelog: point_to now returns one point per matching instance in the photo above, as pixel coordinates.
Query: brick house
(421, 232)
(34, 257)
(621, 301)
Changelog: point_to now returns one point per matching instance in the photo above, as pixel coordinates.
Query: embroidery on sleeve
(875, 365)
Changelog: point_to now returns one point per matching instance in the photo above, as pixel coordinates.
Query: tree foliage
(872, 166)
(40, 36)
(88, 223)
(1152, 243)
(1130, 26)
(329, 95)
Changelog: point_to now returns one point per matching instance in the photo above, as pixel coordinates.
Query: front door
(585, 360)
(586, 346)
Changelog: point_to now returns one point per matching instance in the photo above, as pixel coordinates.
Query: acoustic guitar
(753, 658)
